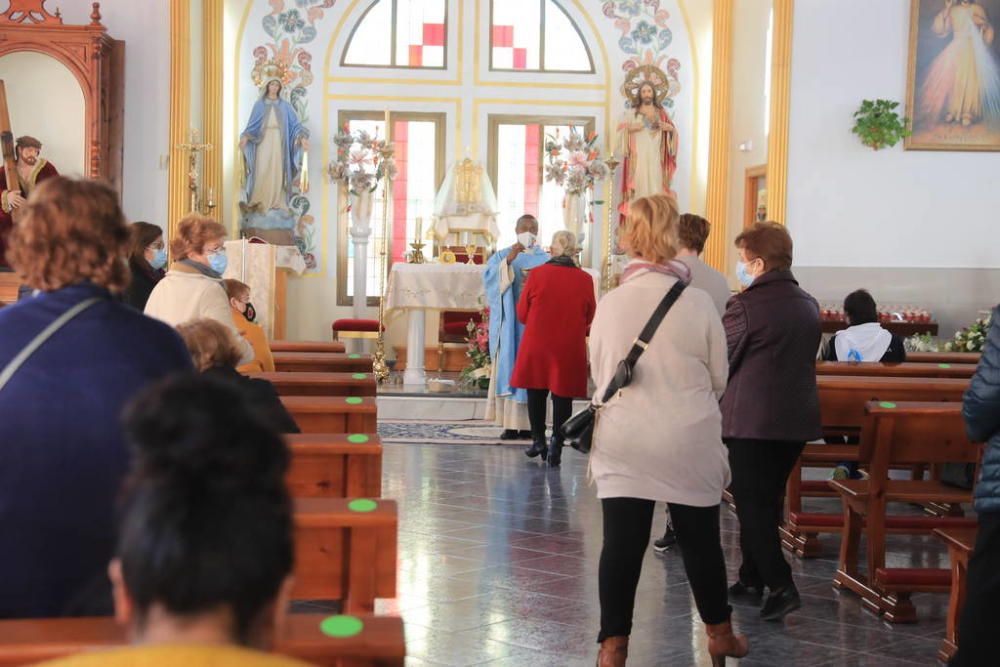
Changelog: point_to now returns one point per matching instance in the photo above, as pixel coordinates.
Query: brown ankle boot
(614, 651)
(722, 643)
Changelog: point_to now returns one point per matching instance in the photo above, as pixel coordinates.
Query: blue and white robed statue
(274, 147)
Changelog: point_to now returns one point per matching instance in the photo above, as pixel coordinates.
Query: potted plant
(878, 125)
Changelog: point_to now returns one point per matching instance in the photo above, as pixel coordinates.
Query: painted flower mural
(645, 38)
(292, 26)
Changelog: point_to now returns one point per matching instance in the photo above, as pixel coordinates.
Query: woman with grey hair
(556, 307)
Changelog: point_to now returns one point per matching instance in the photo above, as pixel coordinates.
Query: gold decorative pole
(379, 366)
(717, 198)
(607, 268)
(781, 85)
(180, 111)
(212, 29)
(194, 148)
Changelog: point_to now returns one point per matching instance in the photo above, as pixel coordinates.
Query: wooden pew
(307, 346)
(332, 414)
(944, 357)
(297, 383)
(380, 643)
(842, 407)
(345, 550)
(897, 433)
(961, 542)
(918, 370)
(322, 362)
(335, 466)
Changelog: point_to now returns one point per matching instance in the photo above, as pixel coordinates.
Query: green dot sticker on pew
(359, 376)
(353, 400)
(354, 356)
(944, 365)
(887, 405)
(341, 626)
(358, 438)
(362, 505)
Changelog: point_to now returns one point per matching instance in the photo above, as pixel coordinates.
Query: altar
(415, 289)
(265, 268)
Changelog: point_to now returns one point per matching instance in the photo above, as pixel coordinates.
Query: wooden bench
(307, 346)
(335, 466)
(322, 362)
(842, 408)
(917, 370)
(906, 433)
(944, 357)
(345, 550)
(332, 414)
(380, 643)
(298, 383)
(961, 542)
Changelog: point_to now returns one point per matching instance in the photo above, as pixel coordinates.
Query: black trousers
(760, 470)
(978, 624)
(627, 522)
(562, 408)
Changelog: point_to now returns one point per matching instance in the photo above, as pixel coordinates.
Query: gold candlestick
(470, 253)
(607, 267)
(379, 366)
(417, 256)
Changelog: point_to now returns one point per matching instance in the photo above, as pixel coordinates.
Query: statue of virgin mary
(273, 145)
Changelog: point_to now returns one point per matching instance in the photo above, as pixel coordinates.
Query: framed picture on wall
(953, 86)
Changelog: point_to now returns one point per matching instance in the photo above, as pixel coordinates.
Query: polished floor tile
(498, 566)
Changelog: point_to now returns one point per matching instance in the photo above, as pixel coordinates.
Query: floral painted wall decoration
(645, 39)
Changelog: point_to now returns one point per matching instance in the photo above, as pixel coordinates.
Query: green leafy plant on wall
(878, 125)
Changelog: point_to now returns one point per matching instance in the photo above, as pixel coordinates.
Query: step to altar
(437, 359)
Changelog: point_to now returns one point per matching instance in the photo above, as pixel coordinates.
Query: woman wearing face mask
(243, 317)
(192, 288)
(770, 408)
(146, 259)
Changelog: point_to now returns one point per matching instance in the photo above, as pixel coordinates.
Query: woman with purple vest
(770, 408)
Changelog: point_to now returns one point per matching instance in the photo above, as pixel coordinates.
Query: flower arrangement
(574, 163)
(478, 371)
(921, 343)
(362, 161)
(878, 125)
(971, 338)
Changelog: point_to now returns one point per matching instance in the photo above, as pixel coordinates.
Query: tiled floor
(498, 566)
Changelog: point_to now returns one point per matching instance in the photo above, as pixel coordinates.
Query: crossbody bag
(578, 430)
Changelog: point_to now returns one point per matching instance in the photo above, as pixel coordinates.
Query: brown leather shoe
(722, 643)
(614, 651)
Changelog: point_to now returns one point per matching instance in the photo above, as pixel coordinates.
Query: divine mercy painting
(953, 91)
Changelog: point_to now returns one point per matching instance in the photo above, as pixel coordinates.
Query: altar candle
(420, 229)
(387, 133)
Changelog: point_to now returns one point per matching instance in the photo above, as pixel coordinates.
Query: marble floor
(498, 566)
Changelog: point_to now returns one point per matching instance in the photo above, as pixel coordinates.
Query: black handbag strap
(646, 335)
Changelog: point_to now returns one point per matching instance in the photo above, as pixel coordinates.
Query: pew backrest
(299, 383)
(322, 362)
(914, 433)
(944, 357)
(307, 346)
(843, 398)
(908, 369)
(335, 465)
(333, 414)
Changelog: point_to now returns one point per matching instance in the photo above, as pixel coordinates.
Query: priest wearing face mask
(244, 317)
(504, 279)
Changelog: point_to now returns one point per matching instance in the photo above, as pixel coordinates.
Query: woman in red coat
(556, 308)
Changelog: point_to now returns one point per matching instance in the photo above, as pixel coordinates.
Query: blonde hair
(564, 244)
(194, 231)
(650, 228)
(211, 343)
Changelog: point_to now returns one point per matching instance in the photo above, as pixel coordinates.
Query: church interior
(372, 182)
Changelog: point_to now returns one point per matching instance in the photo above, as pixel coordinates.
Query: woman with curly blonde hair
(70, 359)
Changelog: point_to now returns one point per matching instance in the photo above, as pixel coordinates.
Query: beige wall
(749, 113)
(45, 101)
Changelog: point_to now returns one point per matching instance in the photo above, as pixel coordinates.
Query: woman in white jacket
(192, 288)
(660, 439)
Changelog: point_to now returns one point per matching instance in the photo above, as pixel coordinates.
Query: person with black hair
(203, 564)
(864, 339)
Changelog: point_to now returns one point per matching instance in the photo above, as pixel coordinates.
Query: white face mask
(527, 239)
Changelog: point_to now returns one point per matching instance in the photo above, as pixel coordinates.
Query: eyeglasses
(156, 246)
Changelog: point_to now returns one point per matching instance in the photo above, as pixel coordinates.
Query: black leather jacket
(981, 408)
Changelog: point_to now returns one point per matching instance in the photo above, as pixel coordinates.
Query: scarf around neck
(674, 268)
(200, 268)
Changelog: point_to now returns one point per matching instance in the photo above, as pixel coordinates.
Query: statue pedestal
(361, 231)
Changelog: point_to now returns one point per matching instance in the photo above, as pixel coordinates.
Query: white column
(359, 237)
(414, 374)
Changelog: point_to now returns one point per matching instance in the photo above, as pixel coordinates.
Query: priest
(32, 169)
(505, 274)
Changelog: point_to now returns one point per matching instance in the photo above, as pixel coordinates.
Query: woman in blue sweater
(63, 457)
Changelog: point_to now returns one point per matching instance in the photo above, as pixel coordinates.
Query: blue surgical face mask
(743, 275)
(218, 262)
(159, 259)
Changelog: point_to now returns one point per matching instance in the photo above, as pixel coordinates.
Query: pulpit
(265, 268)
(465, 210)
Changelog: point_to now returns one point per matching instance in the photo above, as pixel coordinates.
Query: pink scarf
(674, 268)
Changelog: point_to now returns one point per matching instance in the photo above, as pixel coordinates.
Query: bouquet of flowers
(971, 338)
(921, 343)
(574, 163)
(362, 161)
(478, 371)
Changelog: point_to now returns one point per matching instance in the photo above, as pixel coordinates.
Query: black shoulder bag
(578, 430)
